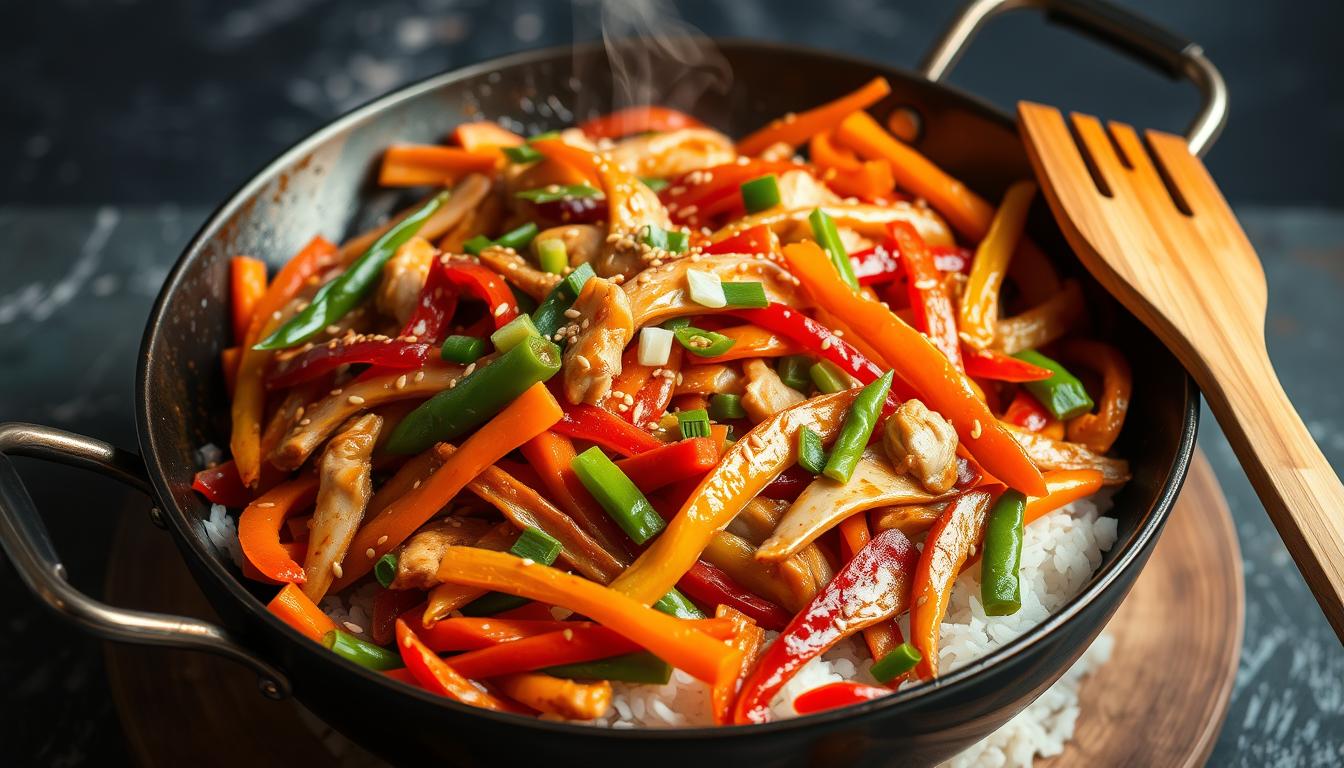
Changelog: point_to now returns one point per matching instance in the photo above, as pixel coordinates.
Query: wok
(324, 185)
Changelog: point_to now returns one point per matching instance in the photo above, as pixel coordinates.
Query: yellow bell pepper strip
(795, 130)
(747, 638)
(527, 416)
(979, 311)
(672, 640)
(557, 696)
(1043, 324)
(260, 523)
(947, 546)
(249, 393)
(436, 676)
(922, 366)
(294, 608)
(746, 468)
(873, 586)
(1099, 430)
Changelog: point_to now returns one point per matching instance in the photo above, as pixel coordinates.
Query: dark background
(123, 122)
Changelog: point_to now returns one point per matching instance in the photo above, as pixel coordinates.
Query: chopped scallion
(475, 245)
(706, 289)
(522, 154)
(900, 660)
(462, 349)
(703, 343)
(517, 239)
(745, 295)
(536, 545)
(811, 454)
(672, 241)
(556, 192)
(693, 423)
(723, 407)
(828, 237)
(761, 193)
(513, 333)
(360, 651)
(793, 371)
(828, 378)
(655, 346)
(617, 495)
(385, 570)
(552, 255)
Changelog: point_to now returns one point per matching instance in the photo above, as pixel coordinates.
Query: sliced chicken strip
(519, 272)
(673, 152)
(867, 220)
(800, 189)
(600, 327)
(660, 293)
(922, 443)
(343, 491)
(1058, 454)
(766, 394)
(403, 277)
(418, 561)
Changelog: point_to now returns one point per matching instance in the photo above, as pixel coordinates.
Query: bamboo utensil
(1150, 224)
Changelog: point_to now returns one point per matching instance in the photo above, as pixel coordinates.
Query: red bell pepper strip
(221, 484)
(1027, 412)
(946, 547)
(821, 341)
(883, 636)
(873, 586)
(434, 310)
(789, 484)
(934, 314)
(996, 366)
(652, 399)
(876, 265)
(710, 586)
(482, 283)
(597, 425)
(472, 634)
(644, 119)
(757, 239)
(435, 675)
(670, 463)
(387, 356)
(834, 695)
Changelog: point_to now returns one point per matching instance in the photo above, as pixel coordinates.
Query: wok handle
(24, 539)
(1166, 52)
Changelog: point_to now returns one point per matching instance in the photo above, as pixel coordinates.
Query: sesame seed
(337, 570)
(501, 309)
(370, 553)
(305, 422)
(569, 634)
(382, 539)
(419, 376)
(572, 313)
(401, 381)
(263, 504)
(976, 430)
(353, 627)
(529, 561)
(355, 400)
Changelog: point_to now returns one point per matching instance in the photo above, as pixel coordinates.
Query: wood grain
(1193, 278)
(1177, 639)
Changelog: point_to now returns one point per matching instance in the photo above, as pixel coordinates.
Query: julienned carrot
(552, 455)
(844, 172)
(675, 641)
(259, 528)
(671, 463)
(435, 675)
(966, 211)
(578, 159)
(747, 638)
(420, 165)
(796, 129)
(1063, 486)
(569, 699)
(249, 393)
(749, 341)
(295, 609)
(746, 468)
(562, 645)
(927, 370)
(946, 547)
(484, 135)
(247, 284)
(979, 311)
(527, 416)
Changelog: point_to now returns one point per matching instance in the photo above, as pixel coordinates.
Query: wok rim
(185, 530)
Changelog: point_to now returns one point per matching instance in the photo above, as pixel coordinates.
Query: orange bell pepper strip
(296, 550)
(675, 641)
(1099, 430)
(979, 312)
(921, 365)
(934, 314)
(794, 130)
(749, 341)
(569, 699)
(552, 455)
(484, 136)
(671, 463)
(747, 638)
(845, 173)
(435, 675)
(247, 284)
(641, 119)
(946, 548)
(294, 608)
(884, 636)
(1063, 486)
(527, 416)
(421, 165)
(260, 523)
(249, 393)
(745, 468)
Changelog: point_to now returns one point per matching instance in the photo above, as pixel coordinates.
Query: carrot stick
(927, 370)
(249, 393)
(247, 284)
(796, 129)
(470, 634)
(527, 416)
(294, 608)
(569, 699)
(418, 165)
(1064, 486)
(259, 528)
(484, 135)
(675, 641)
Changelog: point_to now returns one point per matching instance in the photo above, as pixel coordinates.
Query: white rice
(1059, 554)
(223, 533)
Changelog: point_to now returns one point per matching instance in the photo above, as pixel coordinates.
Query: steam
(655, 57)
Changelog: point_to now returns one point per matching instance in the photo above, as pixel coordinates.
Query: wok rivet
(269, 689)
(156, 517)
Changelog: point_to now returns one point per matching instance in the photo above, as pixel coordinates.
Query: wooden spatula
(1150, 224)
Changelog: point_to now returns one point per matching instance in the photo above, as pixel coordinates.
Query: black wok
(323, 185)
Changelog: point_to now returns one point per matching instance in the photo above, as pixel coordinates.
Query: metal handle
(1168, 53)
(24, 538)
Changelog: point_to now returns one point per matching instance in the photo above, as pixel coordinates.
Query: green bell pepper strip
(1063, 395)
(858, 427)
(897, 662)
(828, 237)
(793, 371)
(761, 193)
(828, 377)
(550, 316)
(360, 651)
(617, 495)
(348, 290)
(725, 407)
(811, 454)
(1000, 585)
(639, 667)
(476, 398)
(676, 604)
(702, 343)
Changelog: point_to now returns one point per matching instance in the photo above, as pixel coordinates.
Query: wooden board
(1159, 701)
